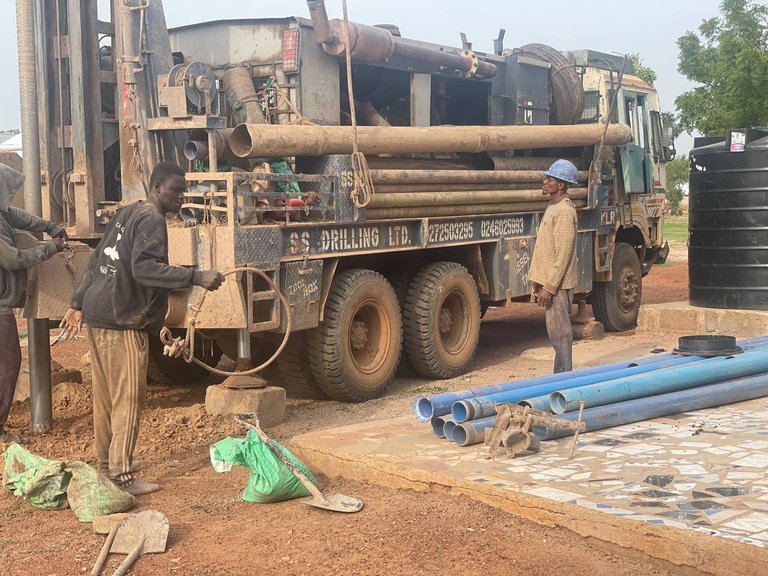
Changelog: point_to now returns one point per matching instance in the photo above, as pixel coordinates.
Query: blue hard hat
(563, 170)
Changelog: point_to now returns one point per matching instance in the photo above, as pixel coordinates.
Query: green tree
(645, 73)
(677, 178)
(728, 58)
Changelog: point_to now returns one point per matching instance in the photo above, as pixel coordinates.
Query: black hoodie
(128, 278)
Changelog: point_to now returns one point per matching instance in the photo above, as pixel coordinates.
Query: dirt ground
(398, 532)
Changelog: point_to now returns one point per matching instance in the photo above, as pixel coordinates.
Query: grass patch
(676, 229)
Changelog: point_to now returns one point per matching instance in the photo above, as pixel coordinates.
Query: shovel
(141, 533)
(332, 502)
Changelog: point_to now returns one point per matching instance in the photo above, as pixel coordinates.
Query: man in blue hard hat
(553, 267)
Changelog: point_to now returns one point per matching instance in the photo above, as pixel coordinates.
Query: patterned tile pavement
(702, 471)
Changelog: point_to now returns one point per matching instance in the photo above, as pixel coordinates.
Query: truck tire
(617, 303)
(567, 91)
(355, 351)
(401, 280)
(295, 373)
(166, 370)
(441, 320)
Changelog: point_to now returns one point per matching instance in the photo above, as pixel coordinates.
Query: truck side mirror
(668, 138)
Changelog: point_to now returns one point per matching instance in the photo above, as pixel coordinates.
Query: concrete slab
(682, 318)
(267, 403)
(689, 489)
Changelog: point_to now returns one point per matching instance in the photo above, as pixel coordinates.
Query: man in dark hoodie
(123, 298)
(13, 281)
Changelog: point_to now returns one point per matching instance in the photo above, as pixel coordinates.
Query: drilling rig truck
(368, 196)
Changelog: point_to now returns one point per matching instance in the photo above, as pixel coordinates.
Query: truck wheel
(441, 320)
(567, 92)
(166, 370)
(617, 303)
(356, 349)
(295, 371)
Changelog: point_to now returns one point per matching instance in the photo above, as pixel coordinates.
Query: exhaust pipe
(323, 31)
(374, 44)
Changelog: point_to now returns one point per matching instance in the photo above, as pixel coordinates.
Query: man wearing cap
(553, 267)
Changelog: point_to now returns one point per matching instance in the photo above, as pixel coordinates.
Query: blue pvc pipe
(651, 407)
(448, 427)
(472, 432)
(427, 407)
(700, 373)
(537, 402)
(438, 426)
(474, 408)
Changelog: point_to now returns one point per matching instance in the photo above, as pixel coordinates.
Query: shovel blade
(335, 503)
(149, 525)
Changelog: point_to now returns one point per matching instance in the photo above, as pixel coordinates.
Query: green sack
(91, 494)
(52, 484)
(41, 482)
(291, 188)
(270, 480)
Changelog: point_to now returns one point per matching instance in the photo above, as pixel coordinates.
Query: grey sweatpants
(119, 362)
(10, 364)
(560, 331)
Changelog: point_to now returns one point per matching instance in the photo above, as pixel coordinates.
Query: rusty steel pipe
(324, 34)
(466, 187)
(30, 120)
(526, 162)
(196, 148)
(367, 114)
(377, 45)
(461, 210)
(473, 197)
(465, 62)
(396, 163)
(255, 140)
(460, 176)
(239, 84)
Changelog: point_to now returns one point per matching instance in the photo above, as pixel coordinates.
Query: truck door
(637, 168)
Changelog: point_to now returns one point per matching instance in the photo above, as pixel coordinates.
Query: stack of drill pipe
(472, 411)
(430, 193)
(461, 210)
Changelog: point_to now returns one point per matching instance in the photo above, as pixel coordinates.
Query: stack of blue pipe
(613, 394)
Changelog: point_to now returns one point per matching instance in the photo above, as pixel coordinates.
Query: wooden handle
(130, 559)
(105, 550)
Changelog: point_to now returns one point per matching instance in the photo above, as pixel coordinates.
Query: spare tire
(566, 92)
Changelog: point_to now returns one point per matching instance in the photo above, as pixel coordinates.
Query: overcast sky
(649, 28)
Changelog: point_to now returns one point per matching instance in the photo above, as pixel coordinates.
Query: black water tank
(728, 221)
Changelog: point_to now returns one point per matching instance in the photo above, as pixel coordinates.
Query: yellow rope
(363, 184)
(185, 347)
